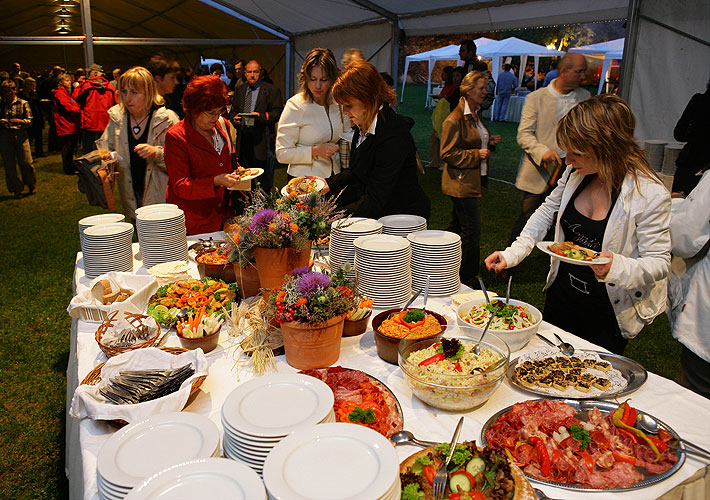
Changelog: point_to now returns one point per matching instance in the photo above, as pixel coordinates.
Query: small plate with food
(583, 445)
(302, 186)
(474, 473)
(245, 174)
(571, 253)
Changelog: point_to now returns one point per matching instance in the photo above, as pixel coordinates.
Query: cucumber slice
(475, 466)
(460, 481)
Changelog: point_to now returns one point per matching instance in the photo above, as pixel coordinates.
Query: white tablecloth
(683, 410)
(515, 108)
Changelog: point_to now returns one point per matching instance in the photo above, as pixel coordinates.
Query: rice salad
(454, 378)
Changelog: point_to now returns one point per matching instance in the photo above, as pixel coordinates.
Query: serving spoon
(477, 347)
(483, 289)
(507, 293)
(565, 347)
(406, 437)
(649, 424)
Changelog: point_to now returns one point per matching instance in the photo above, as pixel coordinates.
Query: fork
(442, 474)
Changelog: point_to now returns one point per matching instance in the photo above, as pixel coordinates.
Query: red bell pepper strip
(617, 421)
(621, 457)
(626, 433)
(660, 444)
(429, 472)
(400, 319)
(544, 455)
(433, 359)
(629, 417)
(457, 366)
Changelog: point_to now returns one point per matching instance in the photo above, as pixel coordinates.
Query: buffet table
(683, 410)
(515, 109)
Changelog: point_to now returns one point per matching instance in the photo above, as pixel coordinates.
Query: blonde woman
(465, 148)
(311, 122)
(136, 134)
(609, 200)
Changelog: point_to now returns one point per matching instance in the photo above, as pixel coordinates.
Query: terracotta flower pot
(312, 345)
(247, 278)
(273, 264)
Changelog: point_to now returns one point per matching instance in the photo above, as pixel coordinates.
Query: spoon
(565, 347)
(406, 437)
(483, 289)
(477, 347)
(507, 293)
(547, 341)
(649, 424)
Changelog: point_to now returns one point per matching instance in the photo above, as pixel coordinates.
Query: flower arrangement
(275, 221)
(312, 297)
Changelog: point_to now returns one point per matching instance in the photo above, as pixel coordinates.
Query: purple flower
(262, 219)
(309, 283)
(300, 270)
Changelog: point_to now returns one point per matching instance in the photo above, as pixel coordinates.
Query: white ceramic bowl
(516, 339)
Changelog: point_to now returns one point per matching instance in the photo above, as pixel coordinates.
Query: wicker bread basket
(136, 320)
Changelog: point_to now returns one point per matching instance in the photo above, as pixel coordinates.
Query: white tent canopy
(448, 53)
(613, 49)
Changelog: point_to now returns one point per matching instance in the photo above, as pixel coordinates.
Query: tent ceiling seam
(376, 9)
(240, 14)
(674, 30)
(156, 14)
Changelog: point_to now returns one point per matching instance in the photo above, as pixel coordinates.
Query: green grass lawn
(39, 244)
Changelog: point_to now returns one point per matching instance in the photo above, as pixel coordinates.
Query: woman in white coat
(611, 201)
(311, 123)
(135, 134)
(689, 285)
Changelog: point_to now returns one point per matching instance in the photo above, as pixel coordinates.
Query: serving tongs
(414, 297)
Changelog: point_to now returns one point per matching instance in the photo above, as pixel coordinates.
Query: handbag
(96, 179)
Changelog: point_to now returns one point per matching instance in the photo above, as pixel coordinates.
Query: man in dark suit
(255, 134)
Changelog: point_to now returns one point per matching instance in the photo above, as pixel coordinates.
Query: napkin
(88, 403)
(144, 286)
(460, 298)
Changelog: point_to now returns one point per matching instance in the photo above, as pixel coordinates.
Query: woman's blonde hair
(326, 60)
(470, 81)
(138, 78)
(362, 82)
(602, 128)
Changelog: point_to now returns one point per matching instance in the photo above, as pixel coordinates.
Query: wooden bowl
(207, 343)
(357, 327)
(387, 347)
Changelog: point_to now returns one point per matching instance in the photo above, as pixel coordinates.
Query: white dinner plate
(207, 478)
(144, 448)
(356, 225)
(545, 247)
(102, 231)
(434, 238)
(277, 404)
(253, 176)
(400, 221)
(335, 461)
(154, 206)
(93, 220)
(319, 186)
(159, 213)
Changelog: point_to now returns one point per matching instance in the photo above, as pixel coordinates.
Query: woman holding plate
(382, 178)
(610, 201)
(311, 122)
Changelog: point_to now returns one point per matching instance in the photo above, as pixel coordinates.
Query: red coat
(66, 111)
(95, 96)
(192, 164)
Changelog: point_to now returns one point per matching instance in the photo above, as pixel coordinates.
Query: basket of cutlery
(124, 331)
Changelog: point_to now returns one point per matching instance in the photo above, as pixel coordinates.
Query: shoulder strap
(225, 128)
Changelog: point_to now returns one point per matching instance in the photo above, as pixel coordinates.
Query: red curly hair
(362, 82)
(204, 93)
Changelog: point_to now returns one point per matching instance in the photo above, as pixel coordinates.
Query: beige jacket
(460, 146)
(537, 135)
(156, 175)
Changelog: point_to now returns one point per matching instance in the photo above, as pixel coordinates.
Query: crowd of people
(180, 137)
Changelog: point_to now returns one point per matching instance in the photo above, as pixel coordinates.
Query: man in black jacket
(256, 133)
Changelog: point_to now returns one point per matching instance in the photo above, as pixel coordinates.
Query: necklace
(138, 126)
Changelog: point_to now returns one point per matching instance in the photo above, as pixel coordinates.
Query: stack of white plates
(402, 225)
(142, 209)
(383, 267)
(653, 149)
(342, 236)
(106, 248)
(212, 478)
(139, 450)
(94, 220)
(262, 411)
(670, 155)
(162, 234)
(334, 461)
(436, 254)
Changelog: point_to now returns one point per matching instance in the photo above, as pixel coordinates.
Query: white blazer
(305, 124)
(638, 234)
(537, 135)
(689, 283)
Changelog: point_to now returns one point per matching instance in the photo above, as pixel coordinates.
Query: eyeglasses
(214, 114)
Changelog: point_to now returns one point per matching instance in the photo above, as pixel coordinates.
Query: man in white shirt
(543, 160)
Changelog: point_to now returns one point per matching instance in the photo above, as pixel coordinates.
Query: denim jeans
(501, 106)
(466, 222)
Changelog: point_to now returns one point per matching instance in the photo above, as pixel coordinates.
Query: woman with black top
(609, 200)
(135, 135)
(382, 178)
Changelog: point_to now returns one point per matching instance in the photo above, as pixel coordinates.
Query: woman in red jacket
(198, 156)
(66, 120)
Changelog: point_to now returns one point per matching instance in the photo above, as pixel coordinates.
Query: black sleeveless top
(138, 164)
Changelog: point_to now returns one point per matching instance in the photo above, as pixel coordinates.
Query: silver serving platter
(605, 407)
(633, 372)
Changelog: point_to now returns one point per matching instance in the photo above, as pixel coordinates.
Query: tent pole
(630, 41)
(88, 35)
(288, 84)
(395, 51)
